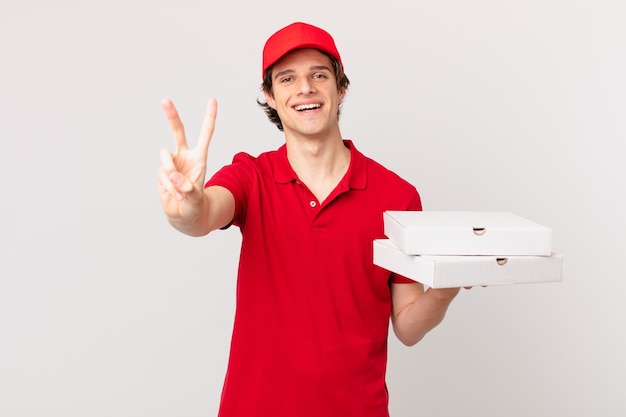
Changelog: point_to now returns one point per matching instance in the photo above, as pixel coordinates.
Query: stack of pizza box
(445, 249)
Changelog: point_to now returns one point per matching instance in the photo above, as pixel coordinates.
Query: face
(305, 94)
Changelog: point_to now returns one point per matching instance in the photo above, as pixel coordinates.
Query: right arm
(188, 206)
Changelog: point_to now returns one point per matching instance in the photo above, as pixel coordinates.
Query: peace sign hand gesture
(181, 176)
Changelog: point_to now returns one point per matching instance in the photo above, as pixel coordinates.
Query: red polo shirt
(312, 310)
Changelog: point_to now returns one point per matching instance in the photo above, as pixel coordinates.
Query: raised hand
(181, 176)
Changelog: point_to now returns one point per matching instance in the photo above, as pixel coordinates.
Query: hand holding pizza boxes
(443, 249)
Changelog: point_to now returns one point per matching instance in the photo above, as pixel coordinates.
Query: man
(313, 312)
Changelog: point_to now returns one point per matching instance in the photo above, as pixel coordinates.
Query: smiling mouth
(305, 107)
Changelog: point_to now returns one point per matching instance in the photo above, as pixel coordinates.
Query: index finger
(175, 123)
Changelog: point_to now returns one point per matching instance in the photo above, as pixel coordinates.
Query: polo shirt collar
(356, 175)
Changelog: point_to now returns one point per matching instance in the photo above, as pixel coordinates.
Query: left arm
(415, 312)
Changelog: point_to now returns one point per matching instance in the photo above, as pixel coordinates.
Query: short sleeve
(400, 279)
(237, 178)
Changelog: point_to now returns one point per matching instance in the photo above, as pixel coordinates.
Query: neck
(320, 164)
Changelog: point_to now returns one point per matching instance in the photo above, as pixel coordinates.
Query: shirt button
(313, 203)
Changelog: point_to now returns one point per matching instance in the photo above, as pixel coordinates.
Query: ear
(342, 94)
(269, 99)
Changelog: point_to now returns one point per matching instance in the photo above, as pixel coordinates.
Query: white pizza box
(497, 233)
(469, 270)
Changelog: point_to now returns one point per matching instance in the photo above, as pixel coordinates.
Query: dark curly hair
(272, 114)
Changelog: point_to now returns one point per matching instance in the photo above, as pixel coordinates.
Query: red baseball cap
(296, 36)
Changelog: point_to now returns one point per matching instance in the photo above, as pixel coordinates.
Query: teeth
(308, 107)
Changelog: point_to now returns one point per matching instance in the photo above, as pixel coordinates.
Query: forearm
(417, 314)
(213, 209)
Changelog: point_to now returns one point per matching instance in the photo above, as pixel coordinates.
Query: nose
(305, 86)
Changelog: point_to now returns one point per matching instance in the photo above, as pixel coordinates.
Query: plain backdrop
(105, 310)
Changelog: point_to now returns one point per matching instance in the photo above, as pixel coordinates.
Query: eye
(286, 79)
(320, 75)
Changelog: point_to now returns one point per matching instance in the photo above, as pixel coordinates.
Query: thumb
(181, 183)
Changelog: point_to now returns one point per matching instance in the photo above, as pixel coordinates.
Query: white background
(105, 310)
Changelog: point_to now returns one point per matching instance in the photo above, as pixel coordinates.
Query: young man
(313, 312)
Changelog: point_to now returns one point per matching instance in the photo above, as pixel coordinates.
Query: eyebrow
(314, 68)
